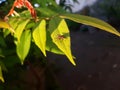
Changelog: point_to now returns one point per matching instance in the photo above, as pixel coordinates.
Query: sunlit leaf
(60, 36)
(23, 45)
(6, 25)
(1, 76)
(20, 28)
(39, 36)
(50, 46)
(13, 23)
(92, 22)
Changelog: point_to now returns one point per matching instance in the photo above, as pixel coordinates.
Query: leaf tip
(73, 63)
(44, 53)
(1, 78)
(71, 60)
(22, 62)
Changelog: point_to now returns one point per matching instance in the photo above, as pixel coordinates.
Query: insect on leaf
(51, 47)
(92, 22)
(39, 36)
(60, 36)
(23, 45)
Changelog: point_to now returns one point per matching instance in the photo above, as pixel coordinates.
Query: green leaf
(50, 46)
(46, 11)
(1, 76)
(92, 22)
(24, 45)
(39, 36)
(14, 23)
(3, 66)
(30, 25)
(20, 28)
(11, 60)
(1, 53)
(2, 42)
(60, 36)
(6, 25)
(6, 32)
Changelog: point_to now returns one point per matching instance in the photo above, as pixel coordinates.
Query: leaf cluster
(49, 31)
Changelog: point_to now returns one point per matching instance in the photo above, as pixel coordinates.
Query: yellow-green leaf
(1, 76)
(50, 46)
(23, 45)
(92, 22)
(60, 36)
(13, 23)
(20, 28)
(6, 25)
(39, 36)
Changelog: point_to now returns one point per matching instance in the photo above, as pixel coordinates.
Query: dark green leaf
(3, 66)
(46, 11)
(1, 76)
(10, 61)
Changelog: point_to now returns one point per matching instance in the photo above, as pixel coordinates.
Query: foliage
(112, 8)
(109, 9)
(48, 31)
